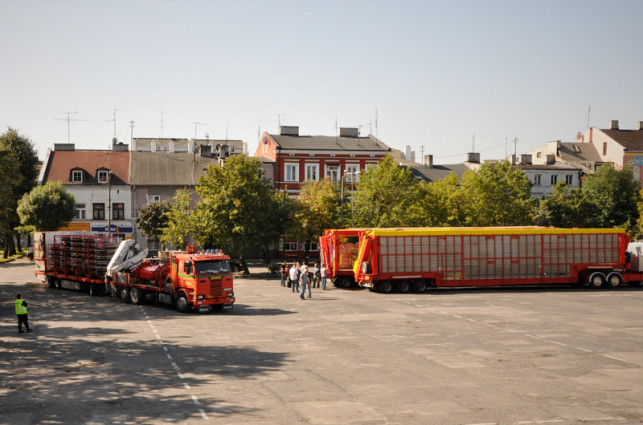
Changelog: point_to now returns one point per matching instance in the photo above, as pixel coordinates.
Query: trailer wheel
(51, 281)
(614, 280)
(596, 280)
(124, 294)
(385, 286)
(94, 290)
(136, 295)
(343, 282)
(182, 304)
(419, 286)
(403, 286)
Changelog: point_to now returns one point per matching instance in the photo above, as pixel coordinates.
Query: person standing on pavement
(316, 277)
(284, 273)
(305, 282)
(294, 277)
(323, 274)
(21, 313)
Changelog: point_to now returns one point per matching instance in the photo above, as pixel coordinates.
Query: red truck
(100, 264)
(338, 250)
(415, 259)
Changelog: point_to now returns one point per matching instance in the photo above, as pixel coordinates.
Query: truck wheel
(403, 286)
(614, 280)
(343, 282)
(51, 281)
(419, 286)
(596, 280)
(386, 287)
(136, 295)
(123, 294)
(182, 304)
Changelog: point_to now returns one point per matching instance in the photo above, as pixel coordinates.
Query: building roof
(557, 166)
(144, 144)
(168, 169)
(631, 140)
(437, 172)
(325, 143)
(579, 152)
(61, 162)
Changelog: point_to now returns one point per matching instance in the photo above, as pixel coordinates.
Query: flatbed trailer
(415, 259)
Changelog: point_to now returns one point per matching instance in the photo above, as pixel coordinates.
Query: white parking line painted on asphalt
(180, 375)
(175, 366)
(614, 358)
(547, 421)
(583, 349)
(557, 343)
(187, 386)
(195, 400)
(169, 356)
(203, 414)
(531, 336)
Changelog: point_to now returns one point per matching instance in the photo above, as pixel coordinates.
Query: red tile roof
(62, 162)
(631, 140)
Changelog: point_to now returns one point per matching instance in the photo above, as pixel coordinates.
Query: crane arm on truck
(126, 256)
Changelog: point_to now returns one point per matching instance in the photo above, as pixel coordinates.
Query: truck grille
(215, 287)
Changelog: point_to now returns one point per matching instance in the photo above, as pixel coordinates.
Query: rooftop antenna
(375, 122)
(473, 143)
(131, 134)
(196, 124)
(422, 152)
(515, 149)
(162, 123)
(69, 119)
(589, 110)
(279, 119)
(114, 119)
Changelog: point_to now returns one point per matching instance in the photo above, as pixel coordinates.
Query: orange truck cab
(201, 281)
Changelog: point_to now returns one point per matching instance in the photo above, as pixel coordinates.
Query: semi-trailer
(416, 259)
(101, 264)
(338, 251)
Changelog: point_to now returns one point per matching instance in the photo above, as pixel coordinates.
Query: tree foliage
(47, 207)
(318, 209)
(437, 204)
(497, 195)
(384, 195)
(151, 218)
(180, 221)
(238, 209)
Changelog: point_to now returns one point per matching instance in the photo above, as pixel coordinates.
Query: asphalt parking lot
(472, 356)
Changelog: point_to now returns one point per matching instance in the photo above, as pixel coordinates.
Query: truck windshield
(212, 266)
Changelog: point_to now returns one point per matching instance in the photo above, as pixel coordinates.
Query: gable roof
(62, 162)
(168, 169)
(631, 140)
(579, 152)
(370, 143)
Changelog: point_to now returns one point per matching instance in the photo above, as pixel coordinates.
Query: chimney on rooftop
(473, 157)
(525, 159)
(64, 146)
(640, 125)
(614, 125)
(428, 161)
(289, 130)
(348, 132)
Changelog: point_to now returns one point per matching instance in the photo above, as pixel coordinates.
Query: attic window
(102, 176)
(575, 148)
(77, 176)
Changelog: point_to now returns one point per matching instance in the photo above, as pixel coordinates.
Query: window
(312, 172)
(118, 211)
(569, 179)
(290, 246)
(368, 167)
(537, 179)
(554, 179)
(313, 246)
(99, 211)
(604, 148)
(79, 213)
(102, 176)
(77, 176)
(187, 267)
(332, 172)
(352, 173)
(153, 198)
(291, 172)
(539, 154)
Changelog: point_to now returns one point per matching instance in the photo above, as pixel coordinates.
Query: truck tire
(419, 286)
(51, 281)
(385, 286)
(403, 286)
(136, 295)
(614, 280)
(182, 304)
(123, 294)
(597, 280)
(344, 282)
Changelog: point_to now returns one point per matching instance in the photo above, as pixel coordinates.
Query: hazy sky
(436, 72)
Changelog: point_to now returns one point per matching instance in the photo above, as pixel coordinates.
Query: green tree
(179, 225)
(151, 218)
(383, 195)
(615, 194)
(238, 209)
(567, 207)
(47, 207)
(24, 176)
(498, 195)
(318, 209)
(437, 204)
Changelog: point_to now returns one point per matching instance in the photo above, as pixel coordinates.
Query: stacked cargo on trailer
(404, 259)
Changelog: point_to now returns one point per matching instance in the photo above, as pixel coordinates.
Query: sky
(444, 77)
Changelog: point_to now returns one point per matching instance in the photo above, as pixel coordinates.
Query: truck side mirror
(187, 267)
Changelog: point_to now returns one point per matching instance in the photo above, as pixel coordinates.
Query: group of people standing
(298, 276)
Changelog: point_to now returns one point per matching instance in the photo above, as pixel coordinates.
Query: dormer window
(102, 176)
(77, 176)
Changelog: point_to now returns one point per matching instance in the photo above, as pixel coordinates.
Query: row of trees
(234, 208)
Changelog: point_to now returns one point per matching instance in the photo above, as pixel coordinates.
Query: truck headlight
(200, 297)
(230, 294)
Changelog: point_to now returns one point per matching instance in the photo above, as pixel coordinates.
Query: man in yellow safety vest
(21, 312)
